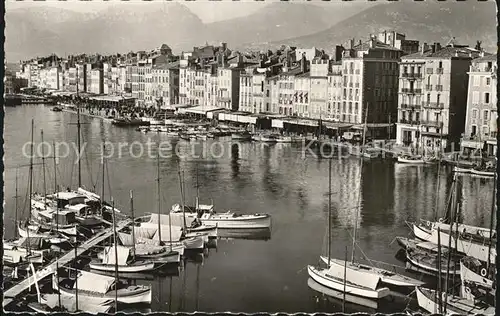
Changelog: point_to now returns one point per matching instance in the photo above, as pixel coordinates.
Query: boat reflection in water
(353, 302)
(245, 233)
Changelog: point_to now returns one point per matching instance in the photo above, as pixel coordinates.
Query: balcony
(432, 123)
(403, 105)
(409, 122)
(439, 71)
(412, 75)
(412, 91)
(433, 105)
(428, 87)
(439, 87)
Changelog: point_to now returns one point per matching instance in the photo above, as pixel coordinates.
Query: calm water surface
(246, 275)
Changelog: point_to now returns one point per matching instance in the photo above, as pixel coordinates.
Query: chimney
(224, 46)
(423, 46)
(303, 64)
(351, 43)
(481, 54)
(288, 59)
(359, 42)
(372, 42)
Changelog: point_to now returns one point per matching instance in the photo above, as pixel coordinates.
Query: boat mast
(182, 197)
(57, 219)
(436, 213)
(16, 202)
(133, 223)
(31, 185)
(359, 190)
(493, 204)
(329, 209)
(43, 172)
(158, 184)
(453, 219)
(439, 272)
(103, 172)
(78, 125)
(345, 280)
(116, 256)
(197, 190)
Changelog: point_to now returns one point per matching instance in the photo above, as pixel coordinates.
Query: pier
(17, 289)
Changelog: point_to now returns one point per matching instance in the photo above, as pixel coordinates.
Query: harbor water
(247, 275)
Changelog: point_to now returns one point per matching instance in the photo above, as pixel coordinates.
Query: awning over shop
(373, 125)
(277, 123)
(336, 125)
(201, 109)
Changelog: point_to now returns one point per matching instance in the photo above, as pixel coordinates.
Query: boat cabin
(81, 210)
(61, 217)
(69, 198)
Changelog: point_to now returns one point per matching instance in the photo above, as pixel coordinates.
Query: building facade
(481, 128)
(432, 97)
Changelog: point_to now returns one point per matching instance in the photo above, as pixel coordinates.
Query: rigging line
(108, 178)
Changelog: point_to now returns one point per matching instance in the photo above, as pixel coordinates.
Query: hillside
(467, 21)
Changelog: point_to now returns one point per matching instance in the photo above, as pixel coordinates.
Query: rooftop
(446, 52)
(486, 58)
(376, 45)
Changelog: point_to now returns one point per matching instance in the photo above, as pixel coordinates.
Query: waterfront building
(319, 87)
(433, 96)
(228, 86)
(258, 94)
(165, 79)
(334, 90)
(309, 53)
(370, 80)
(246, 89)
(481, 118)
(96, 81)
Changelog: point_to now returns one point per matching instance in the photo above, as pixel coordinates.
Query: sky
(207, 11)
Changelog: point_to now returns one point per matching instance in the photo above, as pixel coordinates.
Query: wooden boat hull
(462, 170)
(239, 136)
(469, 275)
(455, 305)
(139, 267)
(194, 243)
(386, 276)
(480, 173)
(322, 278)
(421, 232)
(143, 296)
(424, 261)
(164, 257)
(358, 300)
(410, 161)
(258, 221)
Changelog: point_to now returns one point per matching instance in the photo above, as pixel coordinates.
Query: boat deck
(22, 286)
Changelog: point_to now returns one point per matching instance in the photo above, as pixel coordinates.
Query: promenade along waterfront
(248, 275)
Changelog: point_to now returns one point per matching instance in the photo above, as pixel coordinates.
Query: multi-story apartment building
(432, 96)
(319, 87)
(302, 86)
(481, 118)
(228, 86)
(334, 90)
(96, 81)
(370, 81)
(165, 79)
(184, 82)
(258, 93)
(246, 91)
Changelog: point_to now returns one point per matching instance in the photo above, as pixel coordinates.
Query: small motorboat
(415, 160)
(461, 170)
(56, 109)
(124, 263)
(268, 139)
(97, 286)
(241, 136)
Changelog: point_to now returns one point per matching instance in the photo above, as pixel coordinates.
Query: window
(488, 81)
(437, 100)
(486, 130)
(475, 97)
(476, 81)
(487, 97)
(405, 69)
(473, 130)
(428, 97)
(485, 116)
